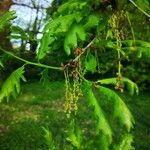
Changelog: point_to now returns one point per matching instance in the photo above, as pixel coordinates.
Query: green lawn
(21, 120)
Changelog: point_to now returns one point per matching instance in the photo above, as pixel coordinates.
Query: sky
(26, 15)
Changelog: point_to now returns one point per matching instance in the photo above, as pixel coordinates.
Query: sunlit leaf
(120, 109)
(74, 135)
(71, 40)
(102, 125)
(127, 83)
(91, 63)
(93, 20)
(12, 85)
(6, 18)
(71, 6)
(126, 143)
(49, 139)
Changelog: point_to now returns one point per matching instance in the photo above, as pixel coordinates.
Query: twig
(78, 57)
(31, 7)
(31, 63)
(83, 50)
(148, 15)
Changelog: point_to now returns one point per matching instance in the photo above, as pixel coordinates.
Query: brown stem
(83, 50)
(78, 57)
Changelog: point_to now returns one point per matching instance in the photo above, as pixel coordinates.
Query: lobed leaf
(91, 63)
(1, 64)
(71, 6)
(131, 86)
(12, 85)
(49, 139)
(102, 122)
(6, 18)
(120, 109)
(45, 78)
(74, 135)
(126, 143)
(93, 20)
(54, 28)
(71, 40)
(18, 33)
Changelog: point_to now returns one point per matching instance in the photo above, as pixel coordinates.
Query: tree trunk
(4, 41)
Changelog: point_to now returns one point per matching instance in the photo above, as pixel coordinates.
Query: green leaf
(93, 20)
(121, 110)
(136, 43)
(45, 78)
(53, 30)
(18, 30)
(49, 139)
(1, 64)
(91, 63)
(102, 125)
(12, 85)
(109, 35)
(144, 4)
(61, 24)
(130, 85)
(71, 40)
(70, 6)
(140, 47)
(74, 135)
(6, 18)
(18, 33)
(126, 143)
(46, 40)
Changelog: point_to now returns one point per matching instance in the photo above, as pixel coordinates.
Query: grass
(21, 120)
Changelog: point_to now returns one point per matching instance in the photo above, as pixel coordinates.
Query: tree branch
(78, 57)
(31, 63)
(32, 7)
(83, 50)
(145, 13)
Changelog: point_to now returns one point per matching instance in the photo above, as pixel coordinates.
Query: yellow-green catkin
(115, 22)
(72, 94)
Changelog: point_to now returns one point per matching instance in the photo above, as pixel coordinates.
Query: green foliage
(91, 63)
(18, 33)
(92, 21)
(74, 135)
(45, 78)
(145, 4)
(102, 125)
(6, 18)
(69, 25)
(1, 64)
(55, 27)
(71, 39)
(141, 48)
(120, 112)
(38, 107)
(49, 139)
(131, 86)
(12, 85)
(73, 5)
(120, 109)
(126, 143)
